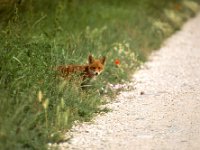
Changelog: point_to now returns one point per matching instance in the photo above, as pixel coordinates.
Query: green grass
(36, 108)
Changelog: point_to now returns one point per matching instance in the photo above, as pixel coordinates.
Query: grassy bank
(36, 108)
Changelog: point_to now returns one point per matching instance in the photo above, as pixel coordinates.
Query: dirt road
(163, 112)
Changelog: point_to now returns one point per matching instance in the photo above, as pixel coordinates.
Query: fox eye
(99, 68)
(93, 68)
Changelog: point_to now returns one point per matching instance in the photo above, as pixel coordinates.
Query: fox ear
(90, 59)
(103, 59)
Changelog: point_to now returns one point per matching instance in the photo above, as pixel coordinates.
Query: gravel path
(162, 112)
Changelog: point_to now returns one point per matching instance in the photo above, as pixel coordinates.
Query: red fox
(90, 70)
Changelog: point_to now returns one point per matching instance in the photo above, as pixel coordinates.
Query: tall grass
(37, 108)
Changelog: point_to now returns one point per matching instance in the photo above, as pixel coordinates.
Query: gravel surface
(163, 110)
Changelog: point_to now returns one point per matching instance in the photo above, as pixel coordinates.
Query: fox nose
(96, 73)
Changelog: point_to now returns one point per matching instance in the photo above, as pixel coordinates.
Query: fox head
(96, 66)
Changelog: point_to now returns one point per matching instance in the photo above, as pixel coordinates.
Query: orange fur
(90, 70)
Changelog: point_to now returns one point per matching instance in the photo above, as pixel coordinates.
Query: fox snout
(95, 71)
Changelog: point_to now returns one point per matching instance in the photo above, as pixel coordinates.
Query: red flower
(117, 62)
